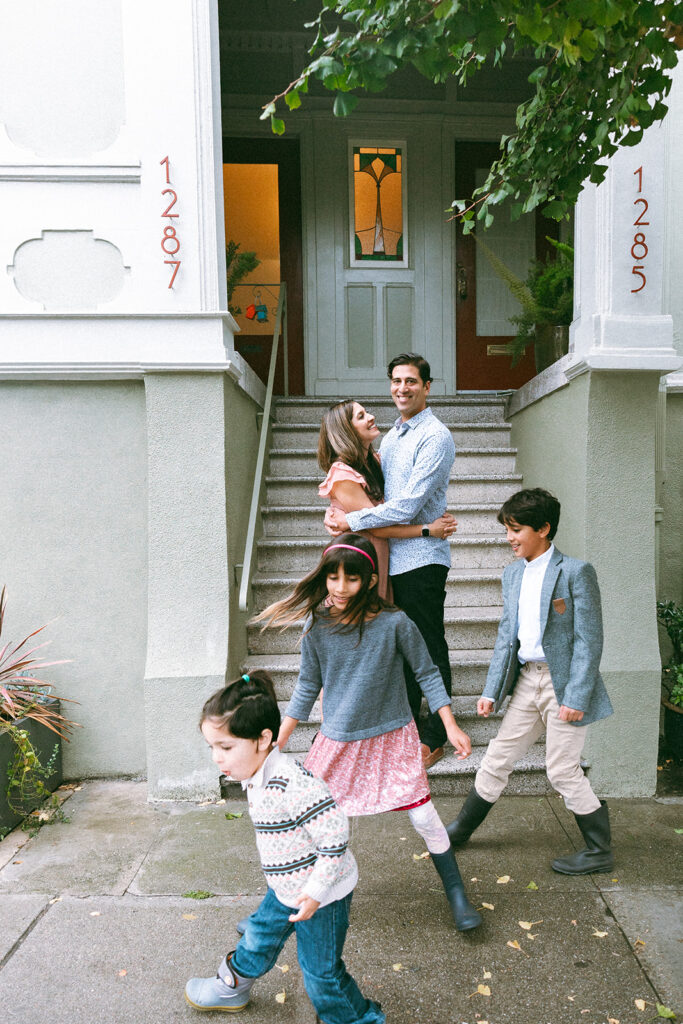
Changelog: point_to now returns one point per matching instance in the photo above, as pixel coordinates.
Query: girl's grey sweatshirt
(364, 685)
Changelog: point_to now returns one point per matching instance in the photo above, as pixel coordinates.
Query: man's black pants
(421, 594)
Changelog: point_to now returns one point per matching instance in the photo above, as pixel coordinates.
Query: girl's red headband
(351, 548)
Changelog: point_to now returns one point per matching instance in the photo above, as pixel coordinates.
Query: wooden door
(255, 346)
(482, 300)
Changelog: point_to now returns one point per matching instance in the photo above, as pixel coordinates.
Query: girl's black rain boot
(472, 813)
(464, 914)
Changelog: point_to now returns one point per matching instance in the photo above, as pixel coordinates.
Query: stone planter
(44, 742)
(673, 729)
(550, 345)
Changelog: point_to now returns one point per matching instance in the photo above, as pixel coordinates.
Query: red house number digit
(639, 248)
(170, 243)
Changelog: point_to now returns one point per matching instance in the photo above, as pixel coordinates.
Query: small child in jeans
(547, 654)
(302, 839)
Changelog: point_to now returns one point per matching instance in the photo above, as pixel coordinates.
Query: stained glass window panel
(378, 203)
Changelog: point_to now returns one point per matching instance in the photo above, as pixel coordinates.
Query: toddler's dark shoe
(225, 991)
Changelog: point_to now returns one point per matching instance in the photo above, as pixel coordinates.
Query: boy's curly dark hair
(533, 507)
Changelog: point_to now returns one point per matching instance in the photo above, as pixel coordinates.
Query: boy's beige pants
(533, 708)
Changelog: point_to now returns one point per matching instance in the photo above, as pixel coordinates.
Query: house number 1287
(639, 248)
(170, 243)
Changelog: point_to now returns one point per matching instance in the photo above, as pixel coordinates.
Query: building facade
(130, 149)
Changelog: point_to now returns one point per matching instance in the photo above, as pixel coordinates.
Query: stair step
(467, 435)
(301, 554)
(464, 587)
(463, 488)
(297, 462)
(307, 520)
(455, 409)
(466, 628)
(468, 669)
(451, 777)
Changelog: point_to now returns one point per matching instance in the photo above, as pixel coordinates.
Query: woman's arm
(286, 729)
(352, 497)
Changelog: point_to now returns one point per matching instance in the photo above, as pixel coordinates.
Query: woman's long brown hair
(338, 441)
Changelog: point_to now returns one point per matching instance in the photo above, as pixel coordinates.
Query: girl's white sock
(426, 821)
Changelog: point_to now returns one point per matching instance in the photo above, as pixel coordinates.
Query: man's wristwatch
(425, 531)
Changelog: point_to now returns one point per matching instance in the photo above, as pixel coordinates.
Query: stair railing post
(245, 582)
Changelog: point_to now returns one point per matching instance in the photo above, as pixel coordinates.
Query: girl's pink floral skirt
(382, 773)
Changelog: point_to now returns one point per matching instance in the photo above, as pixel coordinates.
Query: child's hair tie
(246, 678)
(351, 548)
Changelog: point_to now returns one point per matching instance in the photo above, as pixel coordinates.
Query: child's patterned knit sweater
(301, 834)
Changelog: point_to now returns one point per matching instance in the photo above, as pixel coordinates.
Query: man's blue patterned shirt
(417, 457)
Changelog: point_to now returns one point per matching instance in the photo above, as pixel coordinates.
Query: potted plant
(31, 729)
(670, 615)
(238, 266)
(547, 301)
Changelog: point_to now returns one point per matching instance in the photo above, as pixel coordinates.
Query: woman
(354, 478)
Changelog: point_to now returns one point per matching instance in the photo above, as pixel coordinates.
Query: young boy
(547, 653)
(302, 839)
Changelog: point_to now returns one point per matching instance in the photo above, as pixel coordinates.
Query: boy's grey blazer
(571, 625)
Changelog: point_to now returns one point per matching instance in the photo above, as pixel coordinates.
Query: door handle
(461, 278)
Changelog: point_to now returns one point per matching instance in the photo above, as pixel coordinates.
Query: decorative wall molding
(104, 172)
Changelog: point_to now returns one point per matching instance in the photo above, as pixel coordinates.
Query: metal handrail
(280, 324)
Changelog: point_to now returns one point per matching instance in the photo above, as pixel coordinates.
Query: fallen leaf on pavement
(489, 906)
(678, 831)
(284, 968)
(528, 925)
(397, 967)
(571, 998)
(503, 880)
(280, 997)
(640, 1004)
(189, 917)
(664, 1011)
(515, 945)
(94, 913)
(421, 856)
(599, 935)
(123, 973)
(574, 923)
(637, 944)
(612, 1020)
(487, 974)
(233, 814)
(530, 936)
(532, 885)
(615, 879)
(483, 990)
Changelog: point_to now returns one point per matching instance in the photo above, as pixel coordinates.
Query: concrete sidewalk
(95, 927)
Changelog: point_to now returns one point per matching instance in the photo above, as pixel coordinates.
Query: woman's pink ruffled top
(340, 471)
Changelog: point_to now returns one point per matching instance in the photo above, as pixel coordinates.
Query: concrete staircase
(293, 537)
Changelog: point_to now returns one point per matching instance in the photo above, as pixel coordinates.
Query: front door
(483, 301)
(379, 274)
(262, 187)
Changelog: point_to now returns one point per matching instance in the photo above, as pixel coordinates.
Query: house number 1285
(639, 248)
(170, 243)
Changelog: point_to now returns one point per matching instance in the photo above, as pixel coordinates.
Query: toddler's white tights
(426, 821)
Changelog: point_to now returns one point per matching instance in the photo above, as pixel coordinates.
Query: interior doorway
(262, 188)
(483, 301)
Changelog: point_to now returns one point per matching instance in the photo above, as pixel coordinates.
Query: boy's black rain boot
(464, 914)
(472, 813)
(597, 855)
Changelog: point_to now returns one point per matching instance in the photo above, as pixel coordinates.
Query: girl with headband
(368, 748)
(354, 479)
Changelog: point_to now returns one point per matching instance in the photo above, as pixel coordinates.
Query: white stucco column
(619, 266)
(621, 342)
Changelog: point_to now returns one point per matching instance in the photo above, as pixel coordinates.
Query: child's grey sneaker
(226, 991)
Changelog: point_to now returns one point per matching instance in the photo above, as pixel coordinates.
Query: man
(417, 456)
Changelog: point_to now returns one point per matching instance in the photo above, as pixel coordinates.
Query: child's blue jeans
(320, 942)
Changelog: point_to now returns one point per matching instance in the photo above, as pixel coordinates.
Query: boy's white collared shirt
(529, 608)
